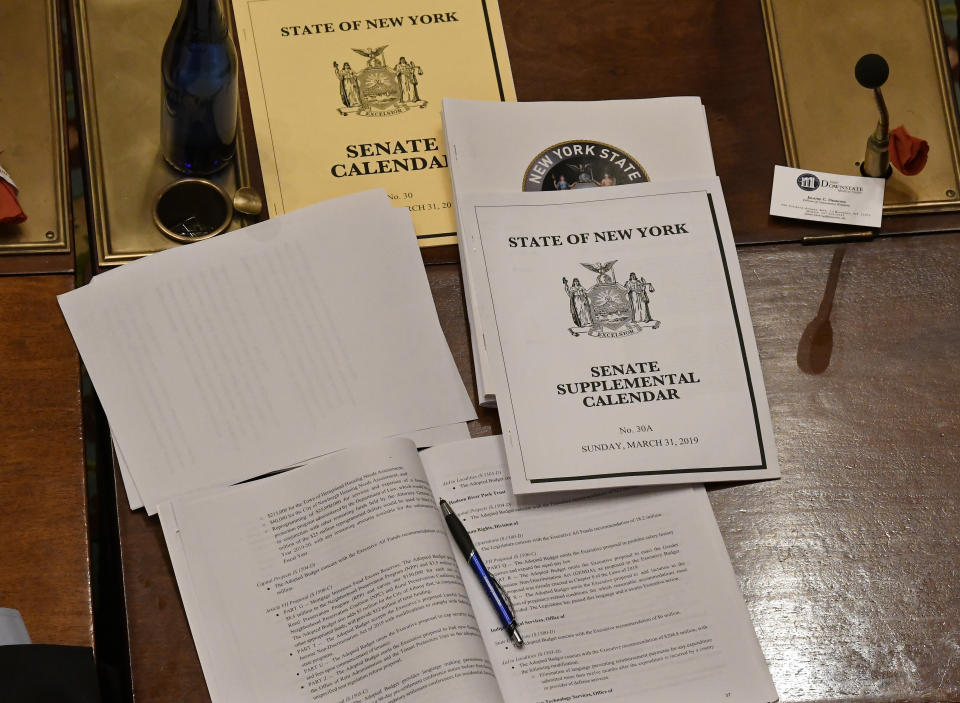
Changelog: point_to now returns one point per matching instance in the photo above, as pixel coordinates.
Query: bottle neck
(202, 19)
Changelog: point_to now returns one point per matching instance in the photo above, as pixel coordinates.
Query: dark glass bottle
(198, 123)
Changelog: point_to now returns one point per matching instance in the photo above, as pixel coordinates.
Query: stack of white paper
(513, 147)
(257, 350)
(610, 325)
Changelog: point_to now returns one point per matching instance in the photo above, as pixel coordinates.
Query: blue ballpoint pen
(496, 594)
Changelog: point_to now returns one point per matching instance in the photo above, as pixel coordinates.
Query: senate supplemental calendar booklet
(619, 337)
(346, 96)
(566, 146)
(338, 582)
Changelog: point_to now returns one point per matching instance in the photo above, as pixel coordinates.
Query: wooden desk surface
(44, 554)
(849, 563)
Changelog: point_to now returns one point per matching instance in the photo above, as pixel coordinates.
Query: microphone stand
(876, 160)
(871, 72)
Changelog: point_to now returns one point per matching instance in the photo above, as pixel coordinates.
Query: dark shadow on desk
(109, 606)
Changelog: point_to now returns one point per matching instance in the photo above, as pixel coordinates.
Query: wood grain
(849, 562)
(163, 660)
(44, 553)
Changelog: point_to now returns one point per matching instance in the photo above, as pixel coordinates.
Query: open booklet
(338, 581)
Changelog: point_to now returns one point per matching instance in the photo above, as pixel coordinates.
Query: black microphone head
(871, 71)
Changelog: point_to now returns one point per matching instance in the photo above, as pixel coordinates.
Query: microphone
(872, 72)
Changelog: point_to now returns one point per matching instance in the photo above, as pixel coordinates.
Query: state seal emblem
(609, 308)
(582, 164)
(379, 90)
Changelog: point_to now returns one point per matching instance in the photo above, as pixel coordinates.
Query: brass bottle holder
(118, 48)
(192, 209)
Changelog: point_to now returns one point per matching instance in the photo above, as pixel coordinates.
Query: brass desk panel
(44, 564)
(32, 126)
(848, 563)
(119, 44)
(717, 49)
(612, 49)
(826, 116)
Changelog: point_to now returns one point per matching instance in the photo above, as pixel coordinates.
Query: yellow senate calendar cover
(346, 96)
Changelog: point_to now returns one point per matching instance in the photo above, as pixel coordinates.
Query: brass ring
(192, 197)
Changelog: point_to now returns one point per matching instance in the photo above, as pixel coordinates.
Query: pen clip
(503, 594)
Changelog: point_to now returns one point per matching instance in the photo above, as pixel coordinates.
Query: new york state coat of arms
(379, 90)
(609, 308)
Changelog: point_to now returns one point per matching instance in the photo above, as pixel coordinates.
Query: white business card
(827, 197)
